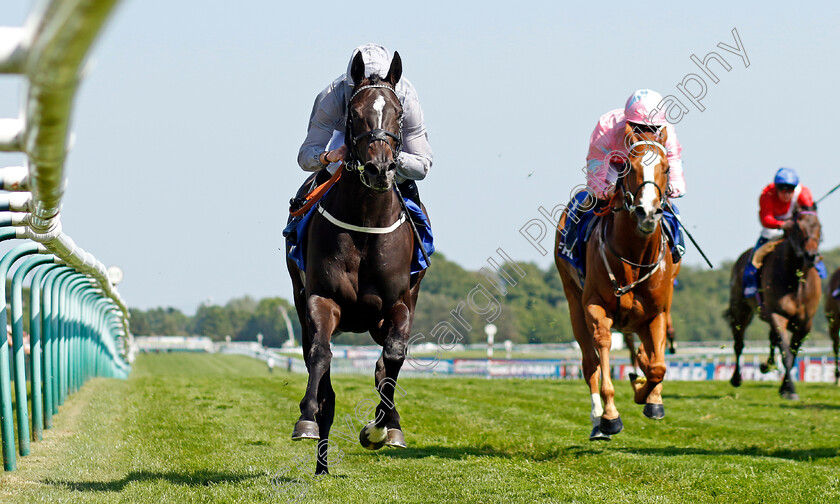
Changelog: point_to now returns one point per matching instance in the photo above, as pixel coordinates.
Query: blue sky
(188, 123)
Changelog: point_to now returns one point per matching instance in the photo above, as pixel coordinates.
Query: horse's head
(374, 124)
(646, 179)
(804, 235)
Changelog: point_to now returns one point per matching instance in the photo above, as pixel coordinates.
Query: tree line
(525, 302)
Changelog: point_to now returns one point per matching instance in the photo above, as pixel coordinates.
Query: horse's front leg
(652, 362)
(770, 363)
(779, 324)
(322, 319)
(600, 324)
(385, 428)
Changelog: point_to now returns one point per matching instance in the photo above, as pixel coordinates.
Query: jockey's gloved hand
(787, 225)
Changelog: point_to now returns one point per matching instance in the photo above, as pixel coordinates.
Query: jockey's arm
(326, 117)
(416, 157)
(766, 211)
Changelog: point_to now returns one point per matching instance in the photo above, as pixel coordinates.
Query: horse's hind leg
(834, 332)
(672, 336)
(652, 362)
(376, 434)
(739, 316)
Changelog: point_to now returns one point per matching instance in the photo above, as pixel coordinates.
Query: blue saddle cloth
(573, 245)
(296, 236)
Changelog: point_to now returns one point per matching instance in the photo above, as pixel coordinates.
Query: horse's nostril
(640, 212)
(659, 211)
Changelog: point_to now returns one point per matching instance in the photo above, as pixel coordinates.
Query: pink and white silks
(607, 143)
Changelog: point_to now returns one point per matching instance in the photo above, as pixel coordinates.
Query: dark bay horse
(832, 313)
(358, 253)
(629, 283)
(790, 290)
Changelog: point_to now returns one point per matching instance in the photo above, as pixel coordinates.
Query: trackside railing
(78, 324)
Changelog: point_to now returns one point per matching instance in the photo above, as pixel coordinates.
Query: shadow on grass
(752, 451)
(554, 453)
(445, 452)
(811, 406)
(197, 479)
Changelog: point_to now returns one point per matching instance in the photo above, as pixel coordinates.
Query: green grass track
(214, 428)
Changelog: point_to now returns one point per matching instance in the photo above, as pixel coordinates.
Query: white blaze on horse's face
(379, 106)
(650, 162)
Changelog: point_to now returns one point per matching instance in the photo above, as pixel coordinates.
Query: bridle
(356, 162)
(630, 198)
(798, 250)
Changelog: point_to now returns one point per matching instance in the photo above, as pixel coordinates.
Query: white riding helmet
(641, 105)
(377, 61)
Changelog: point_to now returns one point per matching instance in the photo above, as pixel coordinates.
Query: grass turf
(215, 428)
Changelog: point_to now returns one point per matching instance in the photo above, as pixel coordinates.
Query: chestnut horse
(629, 283)
(832, 313)
(790, 290)
(358, 253)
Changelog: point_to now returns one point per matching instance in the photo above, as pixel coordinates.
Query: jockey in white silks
(324, 145)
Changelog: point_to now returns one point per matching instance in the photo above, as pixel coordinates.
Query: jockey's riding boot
(820, 265)
(750, 281)
(408, 189)
(290, 232)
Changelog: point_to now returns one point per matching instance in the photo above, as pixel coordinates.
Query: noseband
(356, 163)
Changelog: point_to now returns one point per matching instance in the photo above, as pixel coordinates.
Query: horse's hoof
(790, 396)
(611, 427)
(377, 441)
(632, 377)
(766, 368)
(597, 435)
(395, 439)
(305, 429)
(735, 380)
(654, 411)
(672, 350)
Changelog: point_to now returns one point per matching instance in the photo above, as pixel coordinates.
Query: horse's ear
(663, 134)
(357, 69)
(630, 134)
(395, 72)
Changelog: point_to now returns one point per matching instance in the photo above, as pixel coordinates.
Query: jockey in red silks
(607, 157)
(777, 204)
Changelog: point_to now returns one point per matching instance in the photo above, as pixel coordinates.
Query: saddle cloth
(573, 244)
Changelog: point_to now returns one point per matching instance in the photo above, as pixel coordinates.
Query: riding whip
(689, 234)
(829, 192)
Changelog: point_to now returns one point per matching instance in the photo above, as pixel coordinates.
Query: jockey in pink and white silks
(606, 158)
(606, 144)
